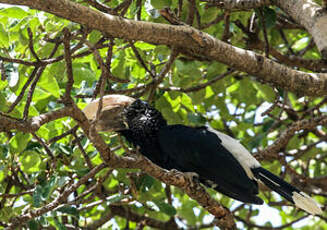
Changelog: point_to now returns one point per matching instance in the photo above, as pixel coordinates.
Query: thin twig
(62, 198)
(102, 7)
(191, 12)
(22, 92)
(31, 92)
(3, 71)
(163, 72)
(141, 61)
(48, 151)
(226, 34)
(263, 21)
(69, 68)
(69, 132)
(86, 157)
(200, 86)
(31, 43)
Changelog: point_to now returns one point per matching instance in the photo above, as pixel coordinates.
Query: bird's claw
(192, 177)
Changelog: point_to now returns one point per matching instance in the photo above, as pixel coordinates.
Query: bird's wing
(199, 150)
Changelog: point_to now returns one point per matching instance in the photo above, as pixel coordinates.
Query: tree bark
(310, 15)
(187, 39)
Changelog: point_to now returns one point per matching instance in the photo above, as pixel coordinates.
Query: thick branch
(193, 189)
(310, 15)
(33, 124)
(239, 4)
(189, 39)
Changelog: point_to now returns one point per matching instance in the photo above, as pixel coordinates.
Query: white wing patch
(241, 154)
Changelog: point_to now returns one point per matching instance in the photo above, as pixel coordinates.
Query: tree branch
(273, 149)
(238, 4)
(18, 221)
(8, 123)
(191, 40)
(310, 15)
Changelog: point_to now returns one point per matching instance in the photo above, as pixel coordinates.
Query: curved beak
(111, 117)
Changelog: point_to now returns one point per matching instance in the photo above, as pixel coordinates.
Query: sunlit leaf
(30, 161)
(14, 12)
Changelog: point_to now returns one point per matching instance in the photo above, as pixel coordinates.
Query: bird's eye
(131, 113)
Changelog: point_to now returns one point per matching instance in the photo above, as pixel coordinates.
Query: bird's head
(120, 112)
(112, 116)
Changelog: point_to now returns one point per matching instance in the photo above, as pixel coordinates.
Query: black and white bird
(218, 160)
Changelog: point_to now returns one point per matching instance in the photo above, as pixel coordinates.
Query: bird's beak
(111, 117)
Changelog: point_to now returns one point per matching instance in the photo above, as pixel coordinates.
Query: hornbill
(217, 160)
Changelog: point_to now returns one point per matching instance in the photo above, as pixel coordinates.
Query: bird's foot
(192, 177)
(211, 184)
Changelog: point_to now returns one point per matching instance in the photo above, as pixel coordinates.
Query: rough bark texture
(242, 4)
(191, 40)
(310, 15)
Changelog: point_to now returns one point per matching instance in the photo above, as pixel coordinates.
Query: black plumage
(189, 150)
(219, 161)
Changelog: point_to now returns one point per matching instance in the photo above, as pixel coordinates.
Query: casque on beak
(111, 117)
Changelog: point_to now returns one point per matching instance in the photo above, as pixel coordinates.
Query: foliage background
(38, 165)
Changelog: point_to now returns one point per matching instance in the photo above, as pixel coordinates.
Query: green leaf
(255, 142)
(270, 17)
(187, 102)
(267, 125)
(49, 83)
(166, 208)
(145, 46)
(4, 150)
(2, 173)
(209, 14)
(264, 91)
(58, 224)
(14, 12)
(69, 210)
(4, 37)
(94, 36)
(81, 73)
(186, 211)
(301, 43)
(40, 94)
(6, 213)
(247, 91)
(160, 4)
(57, 70)
(30, 161)
(49, 187)
(294, 143)
(37, 196)
(233, 87)
(187, 68)
(209, 92)
(19, 142)
(33, 225)
(145, 183)
(118, 65)
(3, 84)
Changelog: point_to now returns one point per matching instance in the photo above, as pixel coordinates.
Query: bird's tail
(292, 194)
